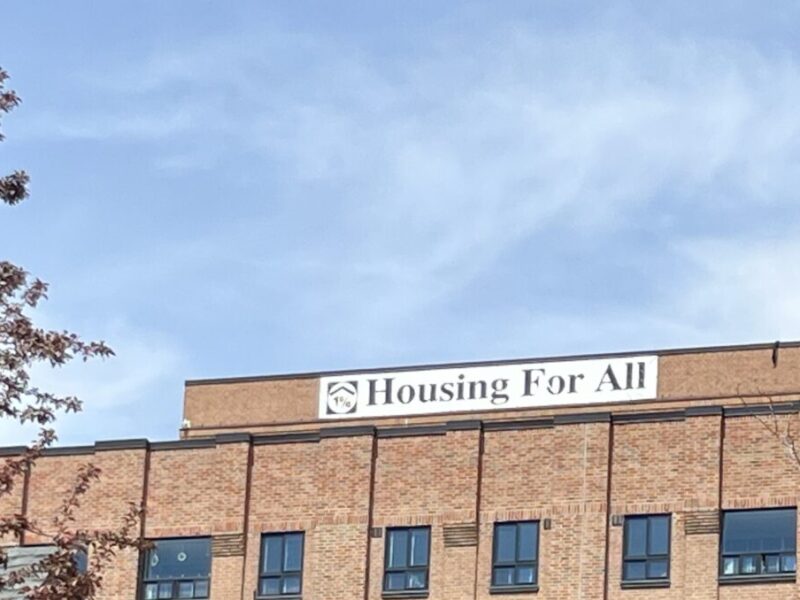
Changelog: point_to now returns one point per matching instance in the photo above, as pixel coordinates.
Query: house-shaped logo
(342, 397)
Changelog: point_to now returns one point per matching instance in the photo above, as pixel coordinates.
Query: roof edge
(318, 434)
(495, 362)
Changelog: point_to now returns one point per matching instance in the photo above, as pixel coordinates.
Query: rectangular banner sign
(499, 387)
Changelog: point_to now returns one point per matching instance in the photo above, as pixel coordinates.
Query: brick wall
(428, 480)
(573, 470)
(322, 488)
(11, 504)
(104, 506)
(335, 488)
(270, 403)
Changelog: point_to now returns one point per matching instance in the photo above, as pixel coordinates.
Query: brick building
(624, 476)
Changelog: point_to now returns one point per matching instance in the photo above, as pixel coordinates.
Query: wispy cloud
(749, 286)
(441, 163)
(123, 396)
(527, 189)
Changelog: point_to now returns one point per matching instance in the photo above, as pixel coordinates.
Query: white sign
(501, 387)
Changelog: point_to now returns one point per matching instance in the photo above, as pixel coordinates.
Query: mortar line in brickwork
(26, 480)
(272, 427)
(370, 511)
(719, 488)
(143, 523)
(583, 513)
(609, 467)
(478, 497)
(246, 520)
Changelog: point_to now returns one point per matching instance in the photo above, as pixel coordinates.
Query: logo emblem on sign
(342, 397)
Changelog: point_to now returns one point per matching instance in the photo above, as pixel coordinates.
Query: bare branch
(780, 429)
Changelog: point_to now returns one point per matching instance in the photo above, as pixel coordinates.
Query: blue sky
(225, 189)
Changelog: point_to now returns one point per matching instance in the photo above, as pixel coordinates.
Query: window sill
(514, 589)
(645, 583)
(400, 594)
(279, 597)
(761, 578)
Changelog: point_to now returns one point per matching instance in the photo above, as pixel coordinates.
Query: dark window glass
(419, 548)
(269, 586)
(646, 547)
(407, 555)
(789, 563)
(634, 569)
(525, 575)
(398, 548)
(756, 542)
(291, 584)
(81, 559)
(395, 581)
(503, 576)
(657, 569)
(417, 580)
(281, 564)
(635, 536)
(201, 588)
(515, 555)
(658, 535)
(271, 554)
(505, 542)
(528, 540)
(292, 558)
(772, 563)
(177, 568)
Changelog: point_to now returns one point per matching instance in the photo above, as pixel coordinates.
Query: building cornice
(490, 363)
(433, 429)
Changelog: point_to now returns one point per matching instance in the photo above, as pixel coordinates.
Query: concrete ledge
(412, 430)
(132, 444)
(645, 584)
(514, 589)
(761, 578)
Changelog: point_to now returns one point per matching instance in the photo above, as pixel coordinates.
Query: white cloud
(751, 287)
(570, 133)
(120, 394)
(166, 124)
(435, 167)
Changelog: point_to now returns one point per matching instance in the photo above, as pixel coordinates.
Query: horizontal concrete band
(316, 435)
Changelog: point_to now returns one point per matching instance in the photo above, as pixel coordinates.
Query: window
(515, 554)
(759, 543)
(406, 565)
(281, 572)
(646, 548)
(177, 568)
(81, 560)
(23, 558)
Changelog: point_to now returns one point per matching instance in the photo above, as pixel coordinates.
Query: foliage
(62, 574)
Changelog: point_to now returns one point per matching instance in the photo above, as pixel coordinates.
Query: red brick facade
(697, 449)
